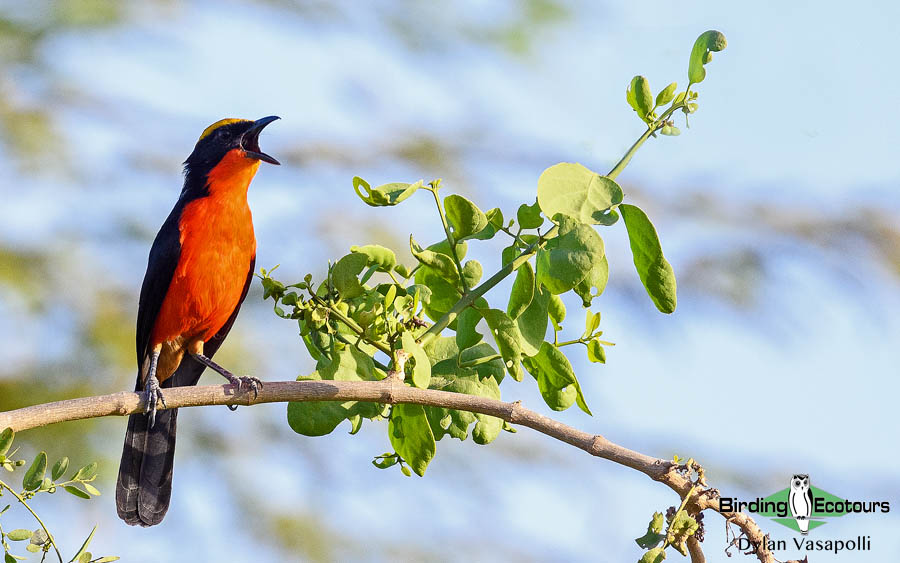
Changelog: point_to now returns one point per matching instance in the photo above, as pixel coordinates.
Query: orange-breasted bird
(198, 273)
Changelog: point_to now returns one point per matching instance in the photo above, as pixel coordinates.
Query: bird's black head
(224, 136)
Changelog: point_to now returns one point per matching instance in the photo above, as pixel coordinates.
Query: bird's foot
(152, 395)
(244, 383)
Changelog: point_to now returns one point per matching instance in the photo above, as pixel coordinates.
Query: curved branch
(391, 390)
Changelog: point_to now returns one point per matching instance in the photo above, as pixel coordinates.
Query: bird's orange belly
(217, 246)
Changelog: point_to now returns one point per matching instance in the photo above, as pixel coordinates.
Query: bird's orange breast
(217, 246)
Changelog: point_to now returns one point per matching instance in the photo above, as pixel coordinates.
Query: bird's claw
(245, 383)
(153, 394)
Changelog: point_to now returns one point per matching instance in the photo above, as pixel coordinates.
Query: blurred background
(778, 210)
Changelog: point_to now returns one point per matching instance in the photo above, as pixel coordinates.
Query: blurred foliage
(42, 478)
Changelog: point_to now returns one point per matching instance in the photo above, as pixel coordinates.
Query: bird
(801, 501)
(198, 273)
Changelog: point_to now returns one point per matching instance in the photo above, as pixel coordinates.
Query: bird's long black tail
(145, 472)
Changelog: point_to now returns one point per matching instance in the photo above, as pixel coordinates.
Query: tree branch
(392, 391)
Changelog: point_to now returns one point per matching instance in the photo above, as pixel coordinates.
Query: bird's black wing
(161, 265)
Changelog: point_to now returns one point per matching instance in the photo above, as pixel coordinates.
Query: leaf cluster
(35, 481)
(459, 337)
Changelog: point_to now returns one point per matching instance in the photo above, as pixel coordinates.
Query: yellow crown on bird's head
(208, 131)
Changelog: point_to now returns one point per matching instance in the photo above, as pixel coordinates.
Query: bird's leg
(152, 392)
(242, 383)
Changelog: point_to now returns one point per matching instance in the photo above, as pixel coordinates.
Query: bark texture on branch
(391, 390)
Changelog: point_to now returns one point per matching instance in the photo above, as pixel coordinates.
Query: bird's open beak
(250, 140)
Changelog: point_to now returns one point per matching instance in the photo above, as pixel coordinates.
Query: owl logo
(801, 501)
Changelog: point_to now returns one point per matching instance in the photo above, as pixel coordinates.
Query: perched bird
(198, 273)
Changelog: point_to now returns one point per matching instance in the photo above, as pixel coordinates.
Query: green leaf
(411, 436)
(6, 440)
(597, 279)
(345, 275)
(86, 472)
(654, 270)
(443, 296)
(640, 97)
(591, 322)
(382, 258)
(556, 379)
(440, 263)
(84, 546)
(107, 559)
(456, 423)
(557, 310)
(595, 352)
(19, 535)
(35, 474)
(91, 489)
(522, 291)
(508, 338)
(577, 191)
(472, 272)
(655, 555)
(33, 548)
(569, 257)
(441, 348)
(529, 216)
(7, 558)
(77, 492)
(466, 333)
(666, 95)
(654, 533)
(708, 42)
(464, 216)
(385, 195)
(59, 468)
(318, 418)
(494, 369)
(533, 321)
(421, 372)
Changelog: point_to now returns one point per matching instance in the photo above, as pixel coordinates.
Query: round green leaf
(596, 279)
(569, 257)
(345, 275)
(464, 216)
(472, 272)
(529, 216)
(556, 379)
(382, 258)
(654, 270)
(441, 263)
(571, 189)
(466, 333)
